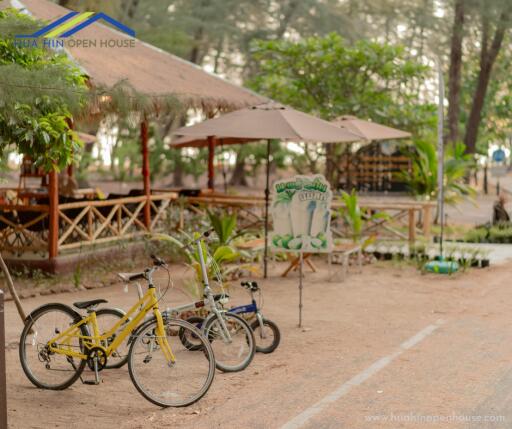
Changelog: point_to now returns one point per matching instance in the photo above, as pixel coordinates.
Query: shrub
(477, 235)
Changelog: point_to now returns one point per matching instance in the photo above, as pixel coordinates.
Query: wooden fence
(28, 229)
(48, 231)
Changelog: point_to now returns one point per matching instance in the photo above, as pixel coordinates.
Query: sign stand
(3, 382)
(301, 220)
(300, 288)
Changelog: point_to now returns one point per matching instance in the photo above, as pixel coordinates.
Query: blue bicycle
(266, 332)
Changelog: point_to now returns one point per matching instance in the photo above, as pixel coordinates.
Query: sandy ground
(462, 369)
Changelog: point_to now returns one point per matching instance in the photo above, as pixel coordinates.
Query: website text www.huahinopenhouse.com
(434, 419)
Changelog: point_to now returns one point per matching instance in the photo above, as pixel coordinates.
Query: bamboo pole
(12, 290)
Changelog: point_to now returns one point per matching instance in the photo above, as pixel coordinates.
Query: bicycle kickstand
(97, 380)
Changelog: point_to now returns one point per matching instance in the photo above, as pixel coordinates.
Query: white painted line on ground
(360, 378)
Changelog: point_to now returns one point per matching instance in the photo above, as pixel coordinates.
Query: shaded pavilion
(149, 71)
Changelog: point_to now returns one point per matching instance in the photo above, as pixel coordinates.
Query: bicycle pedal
(92, 382)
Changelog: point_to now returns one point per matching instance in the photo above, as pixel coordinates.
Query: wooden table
(295, 261)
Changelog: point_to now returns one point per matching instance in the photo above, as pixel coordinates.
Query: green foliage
(215, 263)
(224, 226)
(422, 179)
(33, 118)
(477, 235)
(500, 233)
(356, 219)
(330, 77)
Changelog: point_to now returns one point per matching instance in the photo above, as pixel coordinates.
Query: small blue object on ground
(442, 266)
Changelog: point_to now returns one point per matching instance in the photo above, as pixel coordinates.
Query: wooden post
(53, 228)
(427, 220)
(3, 380)
(211, 154)
(145, 171)
(412, 226)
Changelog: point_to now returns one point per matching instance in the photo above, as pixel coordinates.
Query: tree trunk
(330, 164)
(488, 56)
(177, 174)
(131, 8)
(12, 290)
(195, 56)
(286, 18)
(238, 177)
(455, 72)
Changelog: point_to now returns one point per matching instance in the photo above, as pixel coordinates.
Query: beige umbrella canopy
(266, 121)
(369, 130)
(261, 122)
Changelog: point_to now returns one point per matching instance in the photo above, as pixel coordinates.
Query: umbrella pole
(267, 195)
(300, 288)
(211, 155)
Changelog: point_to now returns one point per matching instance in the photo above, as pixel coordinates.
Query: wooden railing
(26, 229)
(400, 210)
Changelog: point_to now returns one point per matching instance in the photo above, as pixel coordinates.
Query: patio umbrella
(369, 130)
(265, 121)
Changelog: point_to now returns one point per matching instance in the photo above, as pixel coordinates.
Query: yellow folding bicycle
(57, 343)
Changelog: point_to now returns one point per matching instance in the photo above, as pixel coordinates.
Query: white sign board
(301, 214)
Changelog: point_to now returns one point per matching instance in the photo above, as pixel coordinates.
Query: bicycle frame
(148, 302)
(208, 301)
(249, 308)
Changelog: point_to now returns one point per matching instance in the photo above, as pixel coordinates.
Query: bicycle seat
(87, 304)
(219, 296)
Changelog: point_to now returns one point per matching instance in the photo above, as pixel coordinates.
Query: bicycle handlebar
(203, 235)
(158, 261)
(251, 285)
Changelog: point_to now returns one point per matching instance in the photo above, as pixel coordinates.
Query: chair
(344, 250)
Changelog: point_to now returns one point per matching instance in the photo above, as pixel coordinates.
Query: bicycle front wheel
(234, 349)
(171, 384)
(44, 368)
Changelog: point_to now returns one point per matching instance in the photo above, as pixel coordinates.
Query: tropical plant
(422, 178)
(356, 219)
(215, 262)
(224, 226)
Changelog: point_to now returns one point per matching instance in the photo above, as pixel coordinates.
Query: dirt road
(388, 348)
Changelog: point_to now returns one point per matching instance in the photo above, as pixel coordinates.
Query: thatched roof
(147, 69)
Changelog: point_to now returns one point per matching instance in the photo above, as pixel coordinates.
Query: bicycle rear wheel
(46, 369)
(175, 384)
(236, 353)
